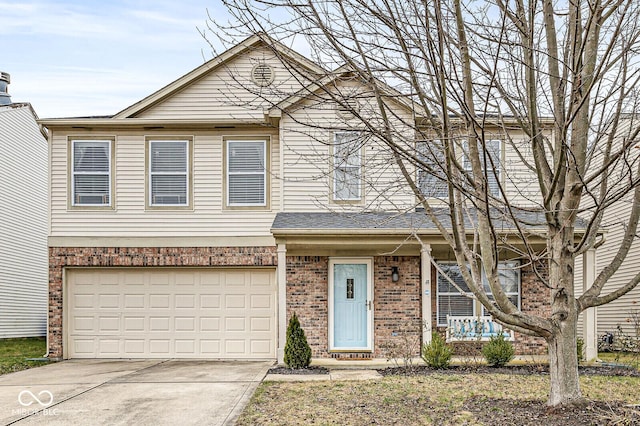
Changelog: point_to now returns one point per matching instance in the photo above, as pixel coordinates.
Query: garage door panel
(161, 312)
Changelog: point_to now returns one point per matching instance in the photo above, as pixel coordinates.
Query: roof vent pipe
(5, 79)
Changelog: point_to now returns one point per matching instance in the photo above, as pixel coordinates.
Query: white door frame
(361, 261)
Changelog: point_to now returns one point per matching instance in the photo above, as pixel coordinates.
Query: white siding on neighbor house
(130, 217)
(228, 91)
(24, 256)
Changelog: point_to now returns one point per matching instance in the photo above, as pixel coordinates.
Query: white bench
(466, 329)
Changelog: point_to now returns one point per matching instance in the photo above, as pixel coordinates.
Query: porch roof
(391, 222)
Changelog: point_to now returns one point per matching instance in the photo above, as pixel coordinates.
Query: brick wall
(62, 257)
(397, 305)
(535, 299)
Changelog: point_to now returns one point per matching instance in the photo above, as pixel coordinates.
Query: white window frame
(262, 172)
(449, 293)
(498, 161)
(74, 173)
(477, 305)
(186, 173)
(508, 265)
(429, 176)
(337, 165)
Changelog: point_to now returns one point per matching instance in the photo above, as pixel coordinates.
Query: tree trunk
(563, 364)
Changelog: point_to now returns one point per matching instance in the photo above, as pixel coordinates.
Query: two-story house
(24, 261)
(196, 221)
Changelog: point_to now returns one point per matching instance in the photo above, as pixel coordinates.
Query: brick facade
(396, 305)
(62, 257)
(397, 314)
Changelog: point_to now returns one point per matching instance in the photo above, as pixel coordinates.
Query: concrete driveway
(129, 392)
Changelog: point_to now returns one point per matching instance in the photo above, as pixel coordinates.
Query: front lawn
(440, 399)
(13, 353)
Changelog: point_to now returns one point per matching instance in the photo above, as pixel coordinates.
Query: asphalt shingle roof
(389, 220)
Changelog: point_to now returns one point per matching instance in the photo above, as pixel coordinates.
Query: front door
(351, 303)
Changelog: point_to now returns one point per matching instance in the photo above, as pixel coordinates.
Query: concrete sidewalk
(129, 392)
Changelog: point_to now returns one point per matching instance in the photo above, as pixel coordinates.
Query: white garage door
(167, 312)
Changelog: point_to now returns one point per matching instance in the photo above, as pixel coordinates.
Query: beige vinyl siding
(228, 91)
(130, 218)
(616, 217)
(617, 312)
(23, 228)
(307, 163)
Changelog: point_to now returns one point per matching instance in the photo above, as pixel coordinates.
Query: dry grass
(424, 400)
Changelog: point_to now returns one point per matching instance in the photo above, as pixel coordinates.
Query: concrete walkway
(129, 392)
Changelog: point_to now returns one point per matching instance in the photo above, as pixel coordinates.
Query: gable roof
(213, 64)
(330, 78)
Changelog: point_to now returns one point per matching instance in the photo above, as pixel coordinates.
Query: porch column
(589, 316)
(425, 274)
(282, 301)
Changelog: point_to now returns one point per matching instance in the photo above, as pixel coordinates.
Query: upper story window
(169, 172)
(431, 179)
(347, 164)
(91, 173)
(246, 173)
(493, 163)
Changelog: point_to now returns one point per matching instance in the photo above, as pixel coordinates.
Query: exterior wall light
(395, 275)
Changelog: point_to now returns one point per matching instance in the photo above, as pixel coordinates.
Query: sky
(79, 58)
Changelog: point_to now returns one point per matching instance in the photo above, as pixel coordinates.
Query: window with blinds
(493, 166)
(451, 301)
(246, 173)
(347, 163)
(91, 172)
(431, 179)
(169, 173)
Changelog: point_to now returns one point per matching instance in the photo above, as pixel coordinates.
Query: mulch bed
(420, 370)
(309, 370)
(496, 411)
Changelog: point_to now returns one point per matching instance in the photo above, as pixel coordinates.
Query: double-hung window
(246, 173)
(347, 164)
(454, 299)
(169, 173)
(493, 163)
(91, 173)
(431, 179)
(509, 276)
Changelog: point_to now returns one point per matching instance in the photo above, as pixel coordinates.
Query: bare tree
(558, 81)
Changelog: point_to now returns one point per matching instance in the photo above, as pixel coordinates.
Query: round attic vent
(262, 75)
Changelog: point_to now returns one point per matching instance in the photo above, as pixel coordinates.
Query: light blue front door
(350, 305)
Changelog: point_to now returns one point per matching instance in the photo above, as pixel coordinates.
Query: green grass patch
(14, 353)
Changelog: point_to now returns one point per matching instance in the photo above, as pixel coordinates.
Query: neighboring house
(623, 313)
(24, 263)
(195, 222)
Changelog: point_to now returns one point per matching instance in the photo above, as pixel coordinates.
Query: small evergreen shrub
(297, 352)
(437, 354)
(498, 351)
(580, 348)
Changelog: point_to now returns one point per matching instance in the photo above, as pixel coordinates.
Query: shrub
(580, 348)
(437, 354)
(297, 352)
(498, 351)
